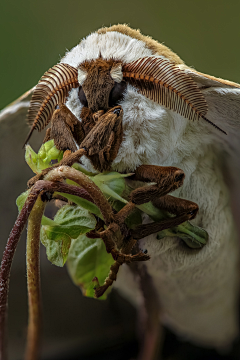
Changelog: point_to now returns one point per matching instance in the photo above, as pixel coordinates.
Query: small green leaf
(43, 158)
(57, 251)
(88, 258)
(88, 205)
(193, 236)
(22, 199)
(80, 168)
(108, 191)
(109, 176)
(112, 184)
(31, 158)
(56, 232)
(69, 223)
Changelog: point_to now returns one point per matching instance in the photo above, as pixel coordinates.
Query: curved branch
(33, 279)
(7, 263)
(65, 172)
(12, 242)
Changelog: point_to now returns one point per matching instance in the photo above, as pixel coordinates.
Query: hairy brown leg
(104, 139)
(167, 179)
(66, 130)
(105, 136)
(113, 239)
(176, 206)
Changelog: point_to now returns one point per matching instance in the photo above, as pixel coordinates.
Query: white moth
(197, 289)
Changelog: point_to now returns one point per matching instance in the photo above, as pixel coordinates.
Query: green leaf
(22, 199)
(80, 168)
(193, 236)
(88, 258)
(57, 251)
(111, 184)
(43, 158)
(69, 223)
(109, 176)
(108, 191)
(88, 205)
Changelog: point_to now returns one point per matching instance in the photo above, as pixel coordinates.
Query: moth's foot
(120, 259)
(167, 179)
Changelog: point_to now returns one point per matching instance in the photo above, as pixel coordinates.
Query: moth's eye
(116, 94)
(82, 97)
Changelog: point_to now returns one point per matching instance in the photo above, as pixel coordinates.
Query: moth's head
(101, 84)
(104, 64)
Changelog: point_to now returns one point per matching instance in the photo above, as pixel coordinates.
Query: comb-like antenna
(217, 127)
(52, 89)
(163, 82)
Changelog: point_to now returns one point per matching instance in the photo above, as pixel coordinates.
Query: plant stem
(7, 263)
(33, 278)
(12, 242)
(65, 172)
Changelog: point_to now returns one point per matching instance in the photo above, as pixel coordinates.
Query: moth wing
(13, 117)
(223, 100)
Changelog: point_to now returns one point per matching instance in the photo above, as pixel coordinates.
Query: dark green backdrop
(35, 34)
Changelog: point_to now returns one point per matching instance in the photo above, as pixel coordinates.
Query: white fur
(116, 73)
(111, 45)
(197, 289)
(82, 75)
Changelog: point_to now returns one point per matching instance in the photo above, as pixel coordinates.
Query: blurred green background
(35, 34)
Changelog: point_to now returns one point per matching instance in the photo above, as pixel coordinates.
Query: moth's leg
(104, 154)
(176, 206)
(120, 258)
(184, 209)
(104, 139)
(167, 179)
(61, 131)
(111, 239)
(66, 129)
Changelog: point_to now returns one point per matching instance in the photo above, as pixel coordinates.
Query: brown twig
(149, 315)
(33, 279)
(65, 172)
(12, 242)
(7, 263)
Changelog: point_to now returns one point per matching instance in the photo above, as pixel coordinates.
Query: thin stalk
(12, 242)
(65, 172)
(33, 279)
(7, 264)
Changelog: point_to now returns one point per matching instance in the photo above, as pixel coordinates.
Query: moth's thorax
(120, 43)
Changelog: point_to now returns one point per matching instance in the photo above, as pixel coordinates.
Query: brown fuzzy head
(102, 84)
(97, 79)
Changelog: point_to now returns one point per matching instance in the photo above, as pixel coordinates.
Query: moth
(173, 116)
